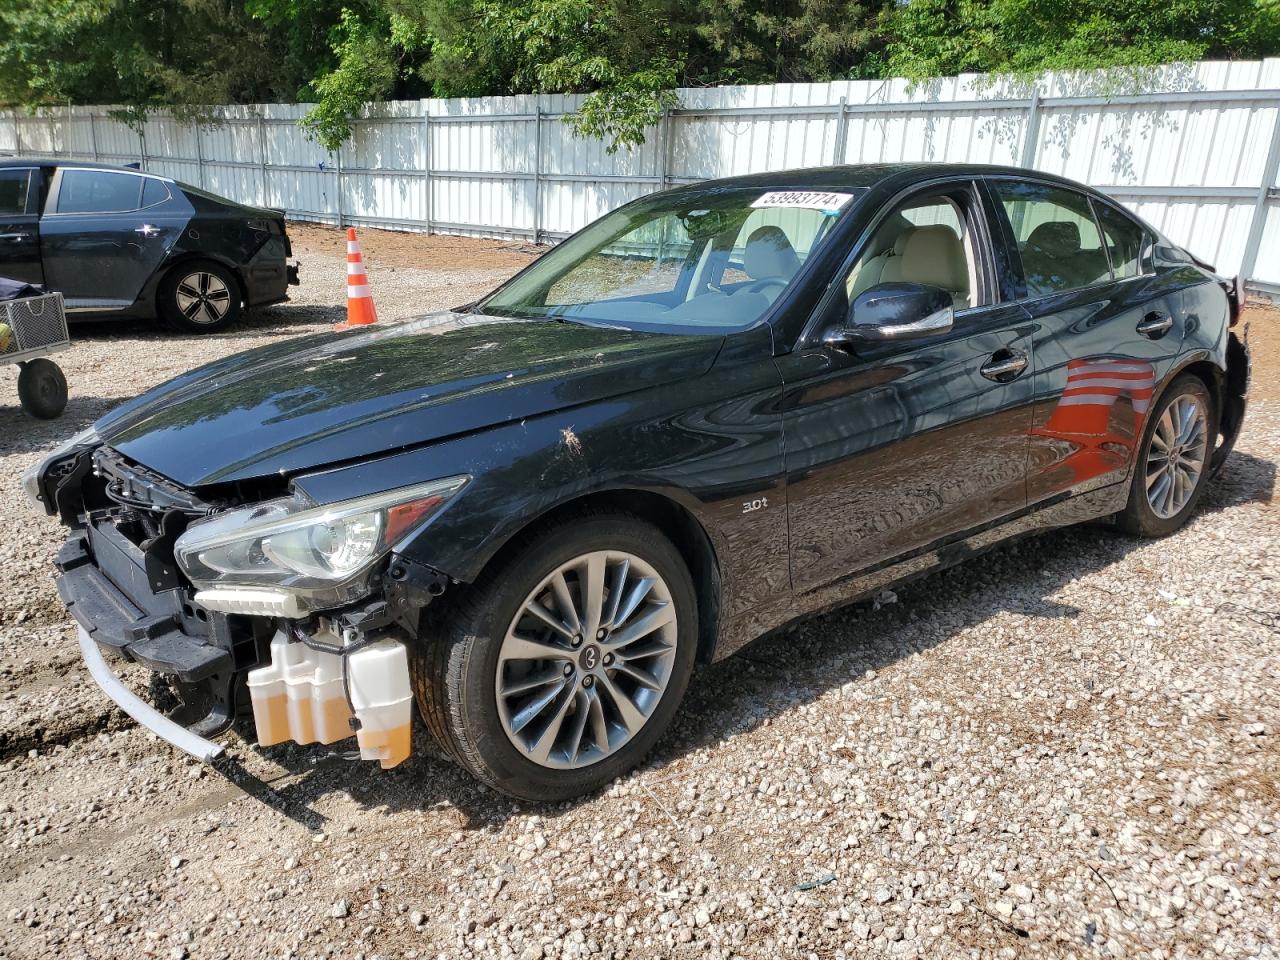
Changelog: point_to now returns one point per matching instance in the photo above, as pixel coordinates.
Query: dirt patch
(1264, 345)
(393, 248)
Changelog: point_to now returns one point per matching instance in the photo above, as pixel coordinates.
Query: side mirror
(889, 312)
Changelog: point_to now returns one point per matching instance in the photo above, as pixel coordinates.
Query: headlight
(320, 556)
(32, 476)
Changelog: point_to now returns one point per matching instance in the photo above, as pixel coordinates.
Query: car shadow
(270, 321)
(774, 675)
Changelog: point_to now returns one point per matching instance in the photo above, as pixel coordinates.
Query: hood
(307, 403)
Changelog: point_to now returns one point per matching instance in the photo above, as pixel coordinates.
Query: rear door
(20, 224)
(104, 233)
(1106, 331)
(893, 448)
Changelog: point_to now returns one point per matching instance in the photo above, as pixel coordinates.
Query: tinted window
(1124, 241)
(13, 191)
(153, 192)
(1056, 235)
(98, 191)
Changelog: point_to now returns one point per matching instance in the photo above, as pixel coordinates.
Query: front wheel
(1173, 461)
(199, 297)
(561, 670)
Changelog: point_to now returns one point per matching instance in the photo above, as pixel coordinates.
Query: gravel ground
(1070, 748)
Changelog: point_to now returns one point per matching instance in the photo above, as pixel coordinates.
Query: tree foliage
(627, 56)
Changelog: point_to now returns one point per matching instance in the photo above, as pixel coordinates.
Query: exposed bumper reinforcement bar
(151, 718)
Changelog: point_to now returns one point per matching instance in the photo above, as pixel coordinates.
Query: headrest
(932, 255)
(769, 254)
(1059, 239)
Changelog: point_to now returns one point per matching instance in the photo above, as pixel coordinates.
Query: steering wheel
(759, 286)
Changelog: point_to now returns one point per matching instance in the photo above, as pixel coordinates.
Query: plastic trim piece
(147, 715)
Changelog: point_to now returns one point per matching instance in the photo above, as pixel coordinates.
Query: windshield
(708, 261)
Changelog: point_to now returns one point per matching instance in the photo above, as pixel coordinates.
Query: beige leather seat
(933, 255)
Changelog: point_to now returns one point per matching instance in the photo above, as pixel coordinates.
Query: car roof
(6, 162)
(871, 174)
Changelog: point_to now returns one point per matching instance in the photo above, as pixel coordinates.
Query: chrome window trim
(55, 190)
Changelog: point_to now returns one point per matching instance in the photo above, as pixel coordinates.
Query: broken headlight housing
(288, 557)
(33, 476)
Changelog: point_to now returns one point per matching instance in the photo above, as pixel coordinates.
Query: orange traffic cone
(360, 310)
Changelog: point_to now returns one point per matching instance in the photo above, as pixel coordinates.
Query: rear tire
(42, 389)
(1173, 466)
(482, 675)
(199, 297)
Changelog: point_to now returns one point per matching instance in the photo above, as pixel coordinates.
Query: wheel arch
(676, 521)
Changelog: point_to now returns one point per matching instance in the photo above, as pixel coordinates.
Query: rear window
(153, 192)
(13, 191)
(1124, 241)
(98, 191)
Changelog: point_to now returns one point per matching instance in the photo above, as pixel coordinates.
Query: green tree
(140, 53)
(944, 37)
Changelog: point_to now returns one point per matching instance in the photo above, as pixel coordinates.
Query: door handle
(1004, 366)
(15, 237)
(147, 230)
(1155, 325)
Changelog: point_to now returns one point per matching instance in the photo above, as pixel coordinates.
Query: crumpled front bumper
(110, 622)
(147, 715)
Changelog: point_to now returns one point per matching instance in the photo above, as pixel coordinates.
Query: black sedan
(713, 411)
(115, 241)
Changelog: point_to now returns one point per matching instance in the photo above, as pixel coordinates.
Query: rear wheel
(42, 388)
(563, 668)
(199, 297)
(1173, 462)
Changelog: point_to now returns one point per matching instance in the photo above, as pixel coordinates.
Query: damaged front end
(299, 612)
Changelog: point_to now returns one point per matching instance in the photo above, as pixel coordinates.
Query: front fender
(711, 444)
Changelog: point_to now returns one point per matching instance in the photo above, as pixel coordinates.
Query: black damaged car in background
(118, 242)
(715, 410)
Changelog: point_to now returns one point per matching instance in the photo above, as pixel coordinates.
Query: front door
(895, 448)
(1105, 333)
(20, 224)
(103, 234)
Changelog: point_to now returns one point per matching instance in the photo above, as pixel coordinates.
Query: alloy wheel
(586, 659)
(1176, 455)
(203, 297)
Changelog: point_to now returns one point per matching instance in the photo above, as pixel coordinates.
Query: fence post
(93, 133)
(17, 134)
(664, 148)
(1031, 141)
(842, 131)
(338, 170)
(262, 156)
(426, 159)
(1259, 221)
(142, 146)
(537, 173)
(200, 152)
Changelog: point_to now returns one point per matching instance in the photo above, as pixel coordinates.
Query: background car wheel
(1173, 461)
(42, 388)
(199, 297)
(562, 669)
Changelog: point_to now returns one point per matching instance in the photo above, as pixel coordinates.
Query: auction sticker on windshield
(803, 199)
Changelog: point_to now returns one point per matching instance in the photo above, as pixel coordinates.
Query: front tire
(561, 669)
(1172, 470)
(199, 297)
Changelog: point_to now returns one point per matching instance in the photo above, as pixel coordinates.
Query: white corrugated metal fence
(1194, 149)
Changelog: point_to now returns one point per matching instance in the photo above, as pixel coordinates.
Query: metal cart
(31, 328)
